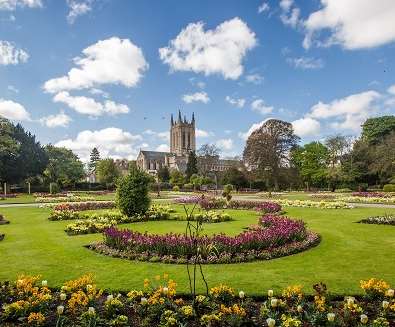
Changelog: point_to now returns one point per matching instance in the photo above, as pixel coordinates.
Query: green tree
(191, 165)
(132, 195)
(208, 156)
(267, 149)
(374, 130)
(107, 172)
(94, 159)
(164, 174)
(64, 167)
(8, 148)
(177, 178)
(311, 160)
(235, 177)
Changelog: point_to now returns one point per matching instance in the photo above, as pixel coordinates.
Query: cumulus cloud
(254, 78)
(196, 97)
(89, 106)
(263, 7)
(306, 127)
(218, 51)
(290, 15)
(110, 61)
(224, 144)
(202, 133)
(165, 136)
(111, 142)
(391, 89)
(253, 127)
(306, 63)
(78, 8)
(259, 106)
(237, 102)
(14, 4)
(59, 120)
(163, 148)
(12, 88)
(11, 55)
(353, 24)
(13, 110)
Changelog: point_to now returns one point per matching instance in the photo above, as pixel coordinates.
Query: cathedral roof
(155, 154)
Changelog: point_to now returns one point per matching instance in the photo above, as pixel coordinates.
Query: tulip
(60, 309)
(91, 311)
(390, 292)
(63, 296)
(44, 283)
(241, 295)
(270, 293)
(364, 319)
(110, 297)
(350, 300)
(144, 300)
(299, 308)
(385, 304)
(330, 316)
(270, 322)
(274, 303)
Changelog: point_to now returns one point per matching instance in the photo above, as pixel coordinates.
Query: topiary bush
(389, 188)
(176, 188)
(132, 193)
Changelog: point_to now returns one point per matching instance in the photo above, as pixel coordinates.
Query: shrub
(176, 188)
(132, 193)
(389, 188)
(54, 188)
(3, 221)
(343, 190)
(188, 186)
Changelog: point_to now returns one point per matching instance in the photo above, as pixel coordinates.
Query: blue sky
(91, 73)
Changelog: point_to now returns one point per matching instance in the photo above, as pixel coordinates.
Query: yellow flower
(293, 292)
(364, 319)
(36, 319)
(157, 277)
(146, 282)
(187, 310)
(374, 285)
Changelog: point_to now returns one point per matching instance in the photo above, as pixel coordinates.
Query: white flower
(270, 322)
(364, 318)
(44, 283)
(299, 308)
(144, 300)
(110, 297)
(165, 290)
(89, 287)
(350, 300)
(330, 316)
(390, 292)
(63, 296)
(60, 309)
(385, 304)
(91, 311)
(274, 302)
(241, 295)
(270, 293)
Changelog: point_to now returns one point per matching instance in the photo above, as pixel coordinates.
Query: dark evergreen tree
(164, 174)
(191, 165)
(94, 158)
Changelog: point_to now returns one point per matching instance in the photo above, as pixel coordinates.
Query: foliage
(132, 196)
(176, 188)
(227, 192)
(389, 188)
(379, 220)
(208, 155)
(191, 165)
(94, 159)
(53, 188)
(64, 167)
(177, 178)
(374, 130)
(267, 148)
(236, 177)
(164, 174)
(107, 171)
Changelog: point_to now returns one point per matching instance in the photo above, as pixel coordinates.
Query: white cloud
(259, 105)
(253, 127)
(349, 112)
(237, 102)
(263, 7)
(13, 4)
(13, 110)
(290, 15)
(306, 63)
(254, 78)
(96, 91)
(59, 120)
(354, 24)
(78, 8)
(10, 55)
(111, 142)
(110, 61)
(202, 133)
(89, 106)
(196, 97)
(391, 89)
(306, 127)
(163, 148)
(217, 51)
(224, 144)
(165, 136)
(12, 89)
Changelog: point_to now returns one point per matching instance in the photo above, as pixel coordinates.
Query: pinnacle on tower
(193, 118)
(185, 119)
(179, 116)
(171, 120)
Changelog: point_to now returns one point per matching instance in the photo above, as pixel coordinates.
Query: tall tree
(64, 167)
(311, 160)
(94, 158)
(164, 174)
(374, 130)
(235, 177)
(208, 156)
(8, 147)
(191, 165)
(107, 172)
(267, 148)
(177, 178)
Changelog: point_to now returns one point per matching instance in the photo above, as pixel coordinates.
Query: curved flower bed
(64, 199)
(275, 237)
(364, 199)
(314, 204)
(379, 220)
(81, 206)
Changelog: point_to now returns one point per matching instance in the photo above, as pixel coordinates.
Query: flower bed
(64, 199)
(29, 301)
(379, 220)
(277, 236)
(363, 199)
(81, 206)
(89, 226)
(8, 196)
(314, 204)
(3, 221)
(372, 194)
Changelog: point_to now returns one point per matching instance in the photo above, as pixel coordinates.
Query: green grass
(348, 252)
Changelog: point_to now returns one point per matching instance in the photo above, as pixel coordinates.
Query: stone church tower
(182, 135)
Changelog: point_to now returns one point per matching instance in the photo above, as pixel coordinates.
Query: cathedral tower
(182, 135)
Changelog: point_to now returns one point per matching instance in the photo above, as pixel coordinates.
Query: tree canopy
(107, 172)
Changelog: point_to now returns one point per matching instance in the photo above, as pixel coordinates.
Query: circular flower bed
(379, 220)
(3, 221)
(275, 236)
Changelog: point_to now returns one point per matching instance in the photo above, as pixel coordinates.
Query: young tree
(311, 159)
(64, 167)
(177, 178)
(107, 172)
(191, 165)
(208, 156)
(94, 158)
(267, 148)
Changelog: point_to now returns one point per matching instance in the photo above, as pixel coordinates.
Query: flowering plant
(379, 220)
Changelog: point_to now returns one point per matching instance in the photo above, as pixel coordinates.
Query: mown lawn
(348, 252)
